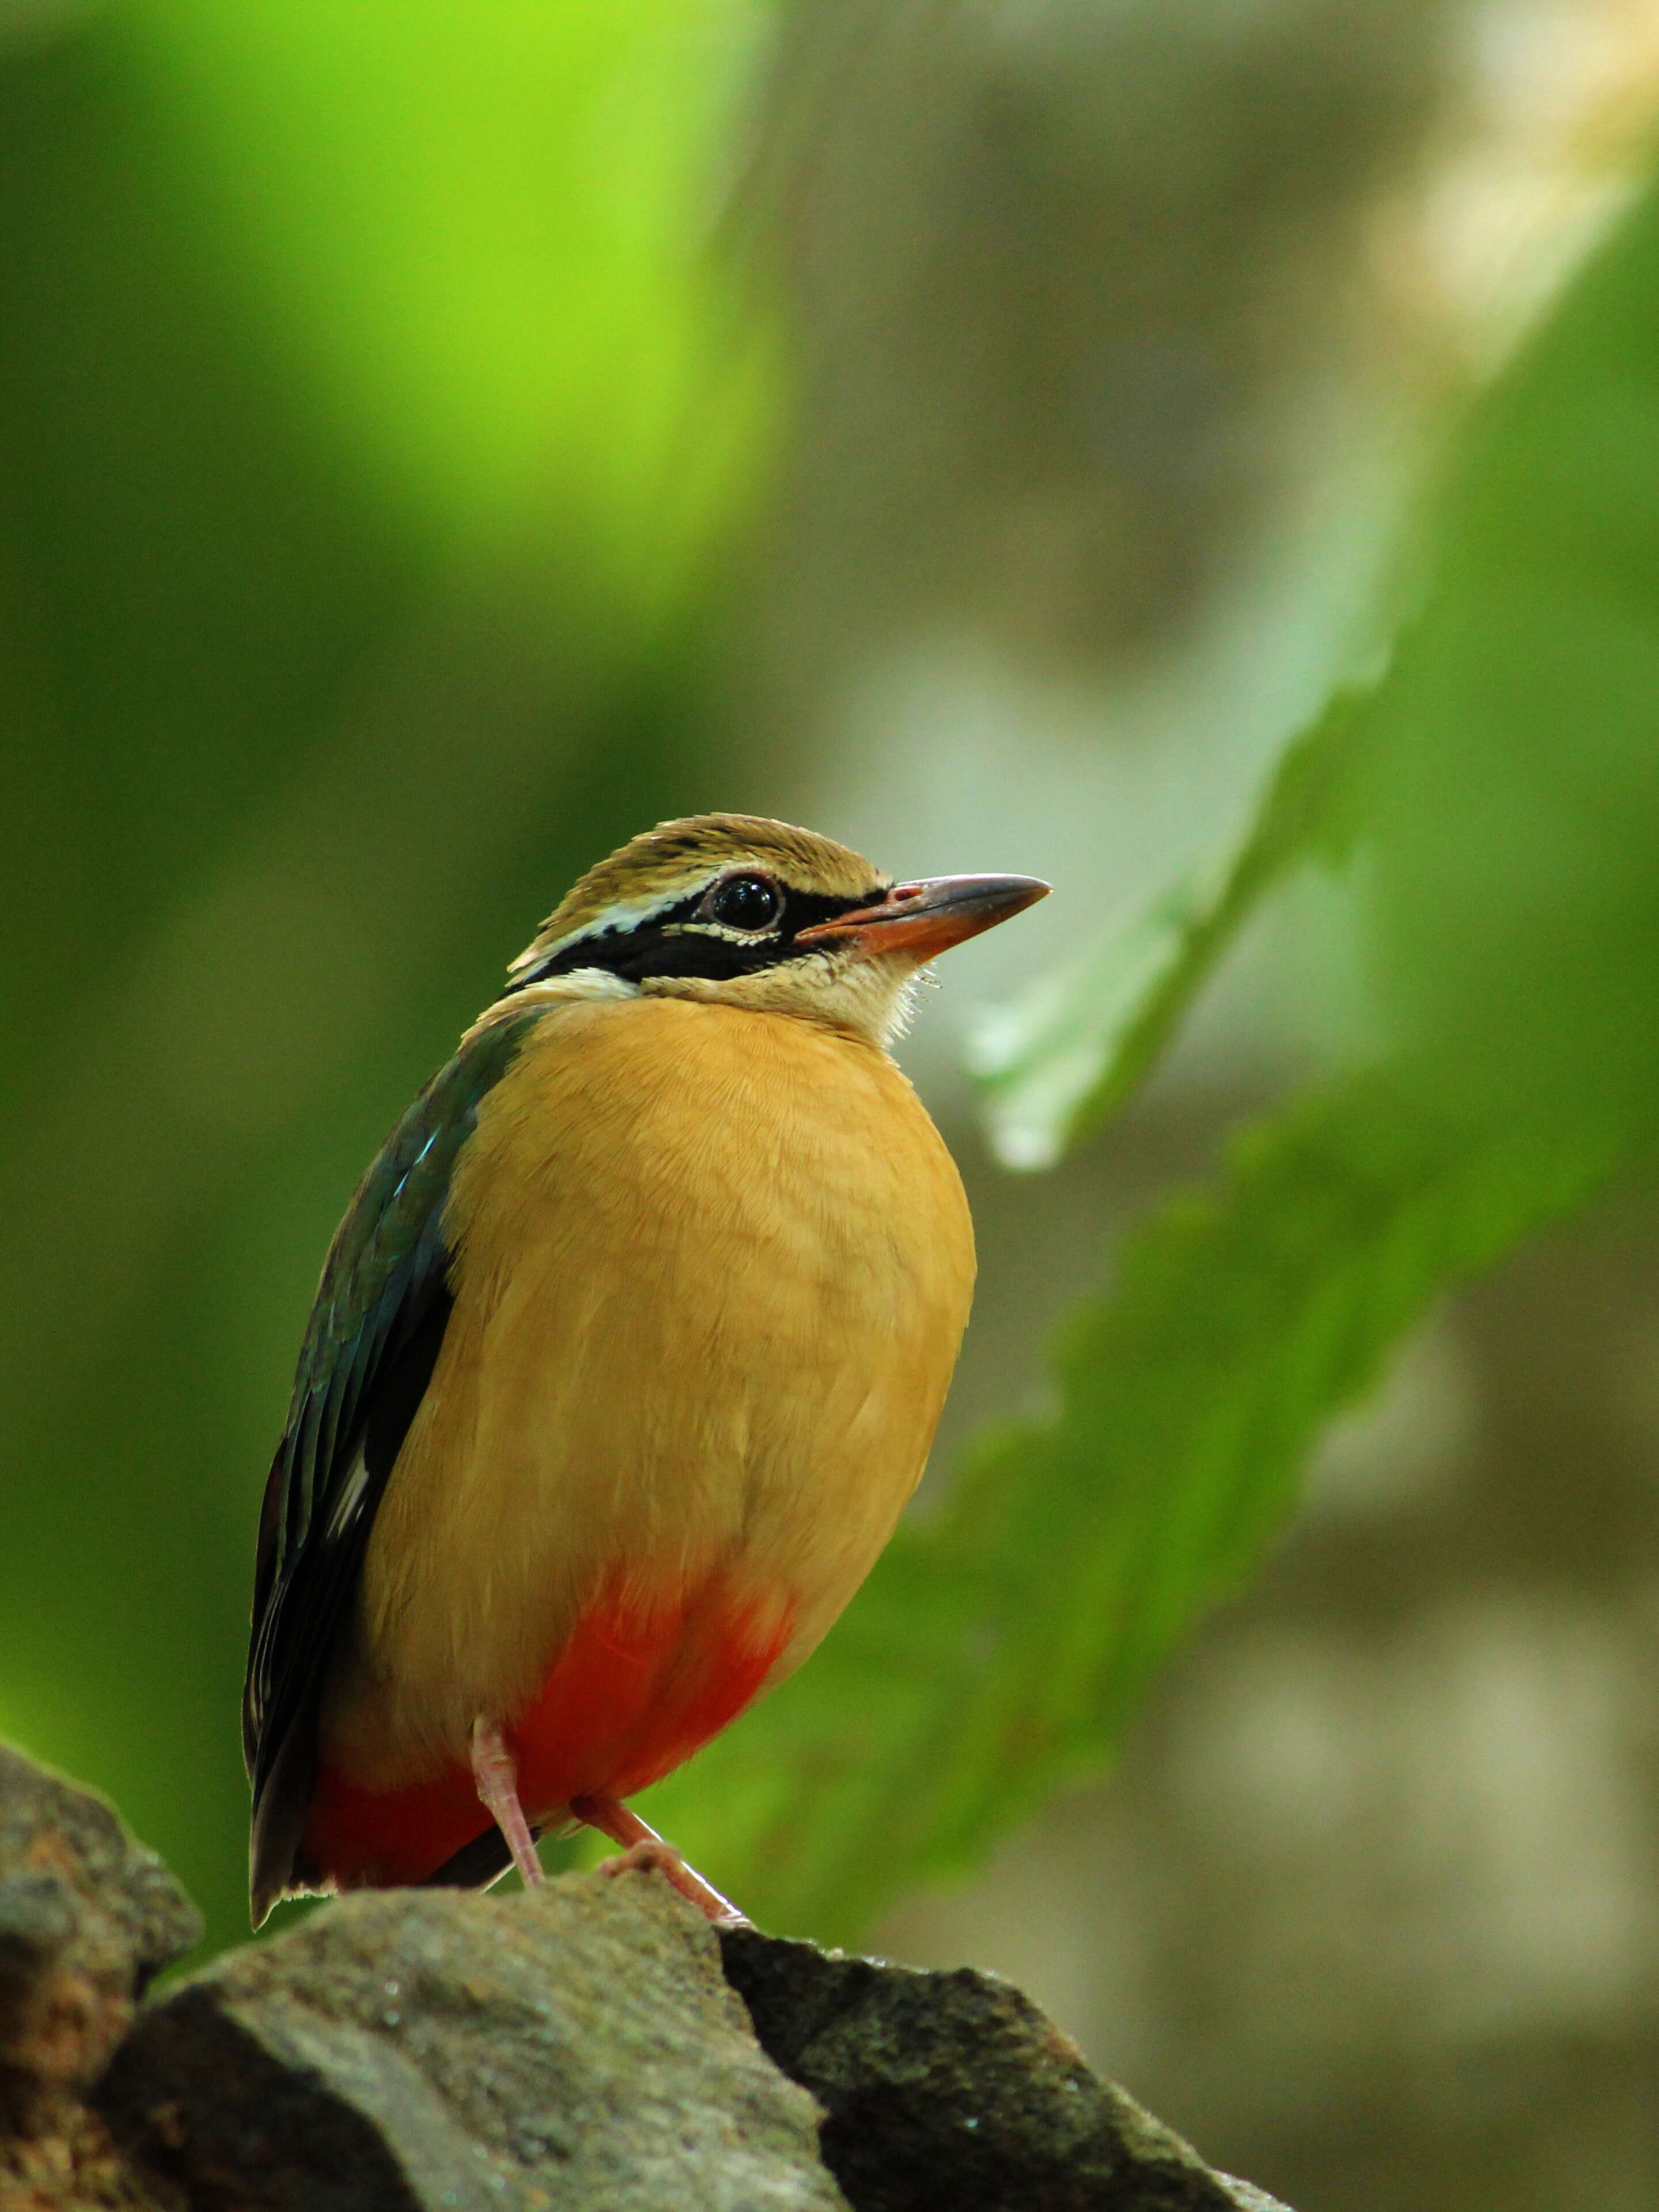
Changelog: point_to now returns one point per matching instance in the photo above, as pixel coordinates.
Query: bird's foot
(659, 1857)
(495, 1774)
(645, 1852)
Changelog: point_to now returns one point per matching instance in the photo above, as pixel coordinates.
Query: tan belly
(712, 1268)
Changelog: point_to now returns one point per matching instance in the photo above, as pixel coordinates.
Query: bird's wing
(369, 1350)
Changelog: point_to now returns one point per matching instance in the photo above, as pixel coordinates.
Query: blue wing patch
(370, 1346)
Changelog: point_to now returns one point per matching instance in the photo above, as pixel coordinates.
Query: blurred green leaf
(998, 1648)
(484, 239)
(1501, 787)
(312, 311)
(1513, 825)
(1057, 1063)
(379, 423)
(1504, 776)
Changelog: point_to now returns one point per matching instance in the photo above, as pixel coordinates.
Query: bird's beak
(924, 920)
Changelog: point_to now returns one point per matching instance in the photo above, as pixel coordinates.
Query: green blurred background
(435, 443)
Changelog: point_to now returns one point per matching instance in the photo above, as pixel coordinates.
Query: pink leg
(644, 1848)
(496, 1775)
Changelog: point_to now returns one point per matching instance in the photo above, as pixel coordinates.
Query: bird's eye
(749, 903)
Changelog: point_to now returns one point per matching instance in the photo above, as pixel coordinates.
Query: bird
(625, 1358)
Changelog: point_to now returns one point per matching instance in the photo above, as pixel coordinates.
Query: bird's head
(757, 913)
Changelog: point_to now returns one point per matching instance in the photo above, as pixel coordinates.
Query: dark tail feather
(279, 1819)
(477, 1864)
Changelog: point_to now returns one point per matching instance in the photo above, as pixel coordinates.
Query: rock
(591, 2045)
(576, 2046)
(953, 2089)
(87, 1918)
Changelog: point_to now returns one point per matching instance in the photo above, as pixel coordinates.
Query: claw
(645, 1851)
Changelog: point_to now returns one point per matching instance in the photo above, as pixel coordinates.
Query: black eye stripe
(663, 945)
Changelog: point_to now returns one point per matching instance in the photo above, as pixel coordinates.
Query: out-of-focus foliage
(1515, 876)
(380, 434)
(999, 1647)
(1500, 786)
(1056, 1064)
(490, 239)
(375, 425)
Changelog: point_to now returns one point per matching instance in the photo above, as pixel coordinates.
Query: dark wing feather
(369, 1350)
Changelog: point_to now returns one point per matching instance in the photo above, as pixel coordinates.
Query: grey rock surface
(87, 1918)
(952, 2088)
(576, 2046)
(591, 2043)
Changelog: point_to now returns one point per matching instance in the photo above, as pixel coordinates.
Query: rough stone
(592, 2044)
(87, 1918)
(952, 2088)
(576, 2046)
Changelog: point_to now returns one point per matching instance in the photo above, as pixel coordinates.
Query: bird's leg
(496, 1773)
(644, 1848)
